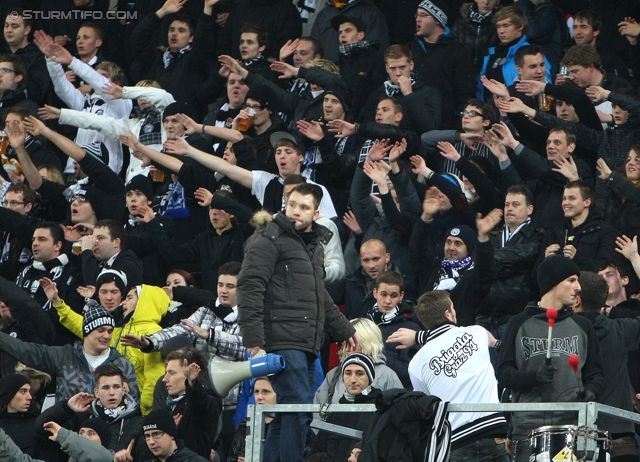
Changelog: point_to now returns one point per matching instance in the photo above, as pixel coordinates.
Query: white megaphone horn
(225, 374)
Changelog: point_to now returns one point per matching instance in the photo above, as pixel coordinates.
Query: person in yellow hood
(143, 308)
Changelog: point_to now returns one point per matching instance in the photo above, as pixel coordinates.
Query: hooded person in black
(523, 368)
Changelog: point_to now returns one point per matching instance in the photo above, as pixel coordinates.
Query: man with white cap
(441, 61)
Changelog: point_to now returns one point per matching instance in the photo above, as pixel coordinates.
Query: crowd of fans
(432, 168)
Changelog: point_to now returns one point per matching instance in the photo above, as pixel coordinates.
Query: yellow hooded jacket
(152, 305)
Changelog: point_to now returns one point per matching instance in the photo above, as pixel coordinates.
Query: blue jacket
(509, 72)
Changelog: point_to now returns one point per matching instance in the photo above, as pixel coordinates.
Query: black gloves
(545, 372)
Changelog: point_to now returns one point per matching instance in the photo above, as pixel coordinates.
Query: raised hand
(627, 247)
(506, 138)
(131, 141)
(351, 222)
(377, 175)
(567, 167)
(341, 128)
(287, 70)
(86, 291)
(51, 291)
(177, 146)
(499, 89)
(398, 148)
(379, 150)
(44, 42)
(145, 213)
(134, 341)
(312, 130)
(448, 151)
(171, 6)
(199, 331)
(419, 166)
(80, 402)
(231, 64)
(488, 223)
(531, 87)
(288, 48)
(597, 93)
(604, 172)
(514, 105)
(112, 89)
(52, 428)
(190, 125)
(431, 204)
(494, 143)
(630, 29)
(191, 371)
(34, 126)
(204, 197)
(16, 134)
(48, 112)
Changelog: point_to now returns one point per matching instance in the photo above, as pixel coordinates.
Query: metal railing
(587, 416)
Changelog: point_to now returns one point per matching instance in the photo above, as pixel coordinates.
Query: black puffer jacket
(20, 426)
(594, 240)
(363, 71)
(513, 286)
(476, 37)
(282, 302)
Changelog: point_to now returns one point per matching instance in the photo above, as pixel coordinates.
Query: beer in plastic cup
(4, 142)
(157, 175)
(544, 102)
(77, 247)
(244, 124)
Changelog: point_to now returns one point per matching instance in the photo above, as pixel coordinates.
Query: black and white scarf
(475, 16)
(151, 126)
(392, 90)
(110, 415)
(253, 62)
(170, 56)
(349, 48)
(506, 235)
(379, 317)
(450, 272)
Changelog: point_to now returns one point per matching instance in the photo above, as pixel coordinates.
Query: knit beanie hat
(160, 419)
(95, 315)
(177, 108)
(361, 360)
(9, 386)
(264, 95)
(553, 270)
(140, 183)
(119, 277)
(93, 196)
(436, 8)
(101, 428)
(343, 95)
(468, 236)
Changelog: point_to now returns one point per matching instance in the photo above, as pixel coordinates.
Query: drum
(558, 443)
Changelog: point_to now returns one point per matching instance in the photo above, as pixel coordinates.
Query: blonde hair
(149, 83)
(369, 336)
(31, 373)
(114, 71)
(53, 173)
(325, 64)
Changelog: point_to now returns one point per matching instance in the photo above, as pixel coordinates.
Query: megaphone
(225, 374)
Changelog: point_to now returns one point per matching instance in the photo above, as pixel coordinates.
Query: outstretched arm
(37, 128)
(141, 151)
(242, 176)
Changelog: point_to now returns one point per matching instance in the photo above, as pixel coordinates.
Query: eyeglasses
(81, 199)
(6, 203)
(422, 15)
(6, 70)
(154, 435)
(255, 108)
(471, 114)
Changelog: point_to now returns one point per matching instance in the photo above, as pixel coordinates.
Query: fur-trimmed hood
(261, 218)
